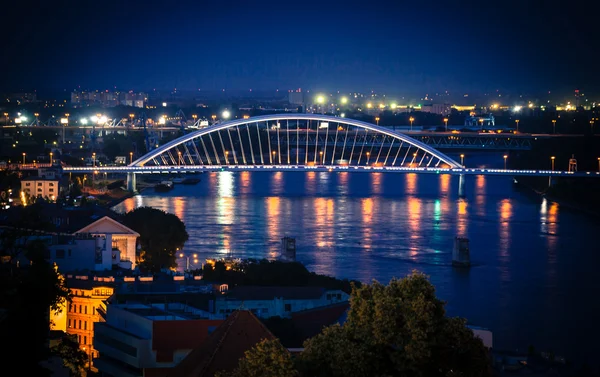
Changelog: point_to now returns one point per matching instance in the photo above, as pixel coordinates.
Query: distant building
(267, 302)
(147, 340)
(480, 121)
(437, 108)
(41, 187)
(108, 98)
(296, 97)
(20, 98)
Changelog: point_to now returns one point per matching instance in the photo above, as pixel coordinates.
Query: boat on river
(164, 186)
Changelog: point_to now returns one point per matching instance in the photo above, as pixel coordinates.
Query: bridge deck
(319, 168)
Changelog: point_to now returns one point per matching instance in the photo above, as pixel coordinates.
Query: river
(534, 262)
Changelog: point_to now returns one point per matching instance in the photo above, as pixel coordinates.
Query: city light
(103, 119)
(162, 119)
(516, 109)
(83, 121)
(369, 105)
(64, 121)
(94, 118)
(225, 114)
(393, 105)
(320, 99)
(344, 100)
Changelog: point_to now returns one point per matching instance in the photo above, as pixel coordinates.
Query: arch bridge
(295, 140)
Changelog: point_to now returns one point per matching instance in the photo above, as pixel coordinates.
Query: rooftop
(269, 293)
(223, 349)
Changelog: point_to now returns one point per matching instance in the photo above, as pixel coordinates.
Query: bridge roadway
(323, 168)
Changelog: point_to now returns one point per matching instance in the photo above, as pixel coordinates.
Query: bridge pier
(461, 186)
(131, 182)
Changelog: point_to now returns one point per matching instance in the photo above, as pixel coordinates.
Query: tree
(398, 329)
(161, 235)
(72, 356)
(27, 293)
(268, 358)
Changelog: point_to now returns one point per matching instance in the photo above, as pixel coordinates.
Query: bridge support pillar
(461, 186)
(131, 182)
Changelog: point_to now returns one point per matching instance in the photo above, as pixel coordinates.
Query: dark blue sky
(392, 46)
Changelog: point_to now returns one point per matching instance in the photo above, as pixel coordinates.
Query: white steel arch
(232, 125)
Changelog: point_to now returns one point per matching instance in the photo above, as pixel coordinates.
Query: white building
(266, 302)
(147, 340)
(114, 244)
(41, 187)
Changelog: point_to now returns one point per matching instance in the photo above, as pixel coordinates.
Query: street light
(368, 157)
(94, 159)
(550, 177)
(214, 118)
(24, 158)
(131, 157)
(344, 100)
(51, 161)
(226, 114)
(462, 160)
(517, 122)
(505, 157)
(554, 125)
(377, 120)
(446, 122)
(598, 163)
(5, 119)
(178, 158)
(321, 155)
(187, 260)
(411, 119)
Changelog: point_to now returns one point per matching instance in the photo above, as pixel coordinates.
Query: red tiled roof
(189, 335)
(223, 349)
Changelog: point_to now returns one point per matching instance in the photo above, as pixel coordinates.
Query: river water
(533, 279)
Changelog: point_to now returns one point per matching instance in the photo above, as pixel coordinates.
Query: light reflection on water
(376, 226)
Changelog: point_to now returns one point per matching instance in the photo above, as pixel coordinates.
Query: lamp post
(6, 119)
(321, 155)
(517, 122)
(194, 117)
(94, 159)
(131, 157)
(550, 177)
(187, 260)
(24, 158)
(368, 157)
(599, 164)
(37, 118)
(446, 122)
(178, 158)
(377, 120)
(214, 118)
(131, 117)
(411, 119)
(554, 126)
(462, 160)
(505, 157)
(51, 161)
(273, 153)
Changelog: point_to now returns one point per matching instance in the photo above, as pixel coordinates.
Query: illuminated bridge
(300, 142)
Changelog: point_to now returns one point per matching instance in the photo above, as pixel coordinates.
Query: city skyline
(401, 48)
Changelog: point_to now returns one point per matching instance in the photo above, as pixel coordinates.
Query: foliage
(27, 292)
(161, 236)
(270, 273)
(268, 358)
(72, 356)
(398, 329)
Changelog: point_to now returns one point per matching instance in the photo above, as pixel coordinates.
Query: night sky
(392, 46)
